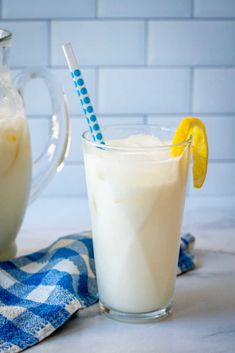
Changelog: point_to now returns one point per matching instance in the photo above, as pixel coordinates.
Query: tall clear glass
(136, 198)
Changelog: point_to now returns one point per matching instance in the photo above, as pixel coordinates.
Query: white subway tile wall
(191, 43)
(144, 9)
(100, 42)
(151, 61)
(214, 90)
(145, 90)
(30, 43)
(48, 9)
(214, 8)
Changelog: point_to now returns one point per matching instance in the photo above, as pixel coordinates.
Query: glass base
(136, 317)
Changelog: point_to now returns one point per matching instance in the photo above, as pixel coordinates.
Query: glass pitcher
(21, 179)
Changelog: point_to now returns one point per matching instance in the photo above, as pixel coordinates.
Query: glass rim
(133, 148)
(5, 35)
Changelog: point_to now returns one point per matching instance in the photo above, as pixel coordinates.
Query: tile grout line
(96, 9)
(121, 19)
(146, 40)
(148, 115)
(191, 92)
(49, 38)
(192, 9)
(97, 78)
(150, 67)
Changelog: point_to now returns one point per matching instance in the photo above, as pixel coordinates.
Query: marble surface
(203, 318)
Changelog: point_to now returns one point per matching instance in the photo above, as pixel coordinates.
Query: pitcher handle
(55, 153)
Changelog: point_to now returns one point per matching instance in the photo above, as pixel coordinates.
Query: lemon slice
(193, 127)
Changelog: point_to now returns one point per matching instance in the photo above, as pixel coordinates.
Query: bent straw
(82, 92)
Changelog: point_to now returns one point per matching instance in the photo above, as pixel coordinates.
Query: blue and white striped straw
(82, 92)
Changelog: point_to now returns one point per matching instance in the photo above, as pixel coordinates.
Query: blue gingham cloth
(39, 292)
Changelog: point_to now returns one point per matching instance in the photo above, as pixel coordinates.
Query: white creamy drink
(15, 169)
(136, 195)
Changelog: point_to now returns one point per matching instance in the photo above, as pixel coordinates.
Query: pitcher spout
(5, 44)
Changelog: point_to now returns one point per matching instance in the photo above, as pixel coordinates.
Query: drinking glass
(136, 197)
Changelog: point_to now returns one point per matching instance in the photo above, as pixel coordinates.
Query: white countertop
(203, 318)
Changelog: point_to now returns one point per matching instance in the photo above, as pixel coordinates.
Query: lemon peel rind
(194, 127)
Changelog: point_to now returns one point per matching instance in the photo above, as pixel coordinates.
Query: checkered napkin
(40, 291)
